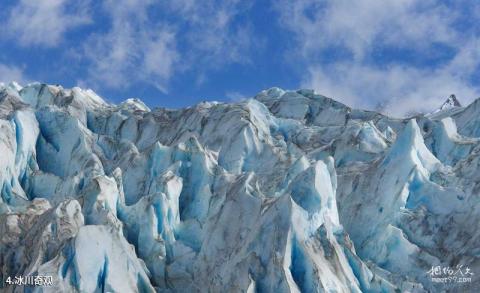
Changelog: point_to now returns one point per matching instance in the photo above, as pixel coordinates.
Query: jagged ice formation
(289, 191)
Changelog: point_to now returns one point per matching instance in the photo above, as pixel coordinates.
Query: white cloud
(235, 96)
(45, 22)
(212, 34)
(404, 89)
(365, 26)
(133, 49)
(11, 73)
(140, 46)
(361, 25)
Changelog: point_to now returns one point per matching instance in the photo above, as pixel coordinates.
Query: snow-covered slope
(448, 108)
(451, 102)
(289, 191)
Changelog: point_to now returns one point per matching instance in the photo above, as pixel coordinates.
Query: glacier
(289, 191)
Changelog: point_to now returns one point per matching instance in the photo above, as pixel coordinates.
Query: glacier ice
(289, 191)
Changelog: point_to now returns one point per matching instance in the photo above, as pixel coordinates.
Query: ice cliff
(289, 191)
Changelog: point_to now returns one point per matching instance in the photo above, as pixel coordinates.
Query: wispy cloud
(12, 73)
(212, 33)
(402, 89)
(235, 96)
(133, 48)
(361, 26)
(365, 52)
(141, 46)
(361, 29)
(45, 22)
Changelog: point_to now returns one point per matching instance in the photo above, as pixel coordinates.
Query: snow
(133, 104)
(450, 103)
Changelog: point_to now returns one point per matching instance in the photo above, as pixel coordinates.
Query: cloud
(45, 22)
(150, 41)
(360, 76)
(133, 49)
(212, 32)
(235, 96)
(402, 89)
(360, 26)
(11, 73)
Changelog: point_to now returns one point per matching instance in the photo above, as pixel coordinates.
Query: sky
(400, 56)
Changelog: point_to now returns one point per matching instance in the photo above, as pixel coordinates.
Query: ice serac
(289, 191)
(104, 261)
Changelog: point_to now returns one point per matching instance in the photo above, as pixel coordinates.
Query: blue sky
(406, 55)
